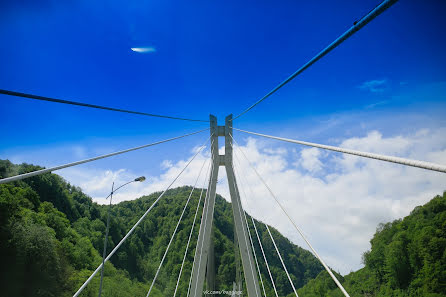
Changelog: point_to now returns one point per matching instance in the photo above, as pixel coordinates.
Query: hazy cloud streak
(374, 86)
(144, 49)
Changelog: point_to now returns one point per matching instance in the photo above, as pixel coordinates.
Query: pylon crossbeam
(204, 248)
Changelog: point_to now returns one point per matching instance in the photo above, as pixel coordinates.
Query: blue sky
(219, 57)
(210, 57)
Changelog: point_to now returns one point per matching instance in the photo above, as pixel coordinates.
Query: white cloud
(338, 209)
(97, 183)
(101, 181)
(374, 86)
(149, 49)
(309, 159)
(166, 164)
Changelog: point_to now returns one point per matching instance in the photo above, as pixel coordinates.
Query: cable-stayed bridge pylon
(203, 261)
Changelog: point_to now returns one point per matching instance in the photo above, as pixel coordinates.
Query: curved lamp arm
(139, 179)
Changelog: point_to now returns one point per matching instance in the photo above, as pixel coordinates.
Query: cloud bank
(338, 200)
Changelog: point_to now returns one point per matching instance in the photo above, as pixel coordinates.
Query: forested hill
(51, 239)
(407, 258)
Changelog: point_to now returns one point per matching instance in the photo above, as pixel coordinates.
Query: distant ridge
(51, 235)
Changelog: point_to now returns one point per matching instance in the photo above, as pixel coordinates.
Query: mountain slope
(51, 238)
(407, 258)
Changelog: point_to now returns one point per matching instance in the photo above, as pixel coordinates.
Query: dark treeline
(51, 240)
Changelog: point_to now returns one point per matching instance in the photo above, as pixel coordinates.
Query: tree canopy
(51, 239)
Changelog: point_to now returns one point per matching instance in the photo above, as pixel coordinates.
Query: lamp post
(139, 179)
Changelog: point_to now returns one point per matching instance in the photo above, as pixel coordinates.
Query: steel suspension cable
(294, 224)
(175, 231)
(264, 257)
(205, 219)
(42, 98)
(258, 238)
(255, 256)
(191, 231)
(398, 160)
(137, 223)
(281, 260)
(249, 233)
(46, 170)
(356, 27)
(240, 208)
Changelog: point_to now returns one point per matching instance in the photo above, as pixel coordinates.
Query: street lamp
(138, 179)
